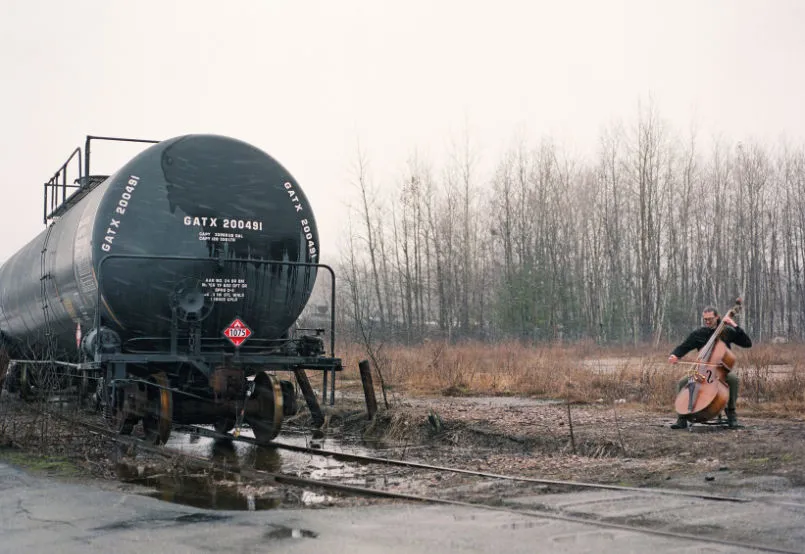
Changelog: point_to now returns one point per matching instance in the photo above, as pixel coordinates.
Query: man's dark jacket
(699, 337)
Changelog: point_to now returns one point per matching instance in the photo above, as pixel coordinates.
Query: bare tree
(368, 211)
(628, 246)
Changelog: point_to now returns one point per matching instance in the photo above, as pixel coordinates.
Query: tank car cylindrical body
(200, 196)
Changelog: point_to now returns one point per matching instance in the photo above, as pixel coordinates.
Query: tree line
(627, 245)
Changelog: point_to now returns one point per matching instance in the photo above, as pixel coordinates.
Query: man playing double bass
(731, 334)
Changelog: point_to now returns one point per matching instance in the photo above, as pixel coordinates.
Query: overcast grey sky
(304, 80)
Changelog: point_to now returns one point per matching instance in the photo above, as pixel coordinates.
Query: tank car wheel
(157, 423)
(264, 410)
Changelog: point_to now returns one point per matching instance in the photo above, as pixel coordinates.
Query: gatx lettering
(120, 210)
(202, 221)
(225, 223)
(293, 196)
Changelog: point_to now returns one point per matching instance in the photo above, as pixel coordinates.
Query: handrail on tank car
(114, 139)
(199, 259)
(53, 184)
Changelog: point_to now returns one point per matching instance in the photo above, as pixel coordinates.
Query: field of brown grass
(772, 375)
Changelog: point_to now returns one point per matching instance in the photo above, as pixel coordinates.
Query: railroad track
(343, 456)
(535, 512)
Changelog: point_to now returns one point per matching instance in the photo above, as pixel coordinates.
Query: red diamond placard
(237, 332)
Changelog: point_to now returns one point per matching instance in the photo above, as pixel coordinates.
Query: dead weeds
(770, 374)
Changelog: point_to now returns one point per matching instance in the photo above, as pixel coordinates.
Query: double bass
(706, 393)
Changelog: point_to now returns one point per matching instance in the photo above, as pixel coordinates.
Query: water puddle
(201, 493)
(218, 490)
(225, 489)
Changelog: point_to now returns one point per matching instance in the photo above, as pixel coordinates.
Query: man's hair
(710, 309)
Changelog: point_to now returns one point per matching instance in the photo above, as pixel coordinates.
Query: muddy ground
(616, 444)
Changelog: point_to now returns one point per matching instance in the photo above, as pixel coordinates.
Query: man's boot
(681, 423)
(732, 420)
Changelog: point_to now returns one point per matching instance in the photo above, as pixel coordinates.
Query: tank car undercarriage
(198, 384)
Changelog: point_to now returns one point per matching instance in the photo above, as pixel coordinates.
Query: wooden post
(368, 388)
(310, 397)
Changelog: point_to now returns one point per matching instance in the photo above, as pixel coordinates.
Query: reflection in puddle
(220, 490)
(223, 453)
(224, 489)
(264, 458)
(200, 492)
(203, 492)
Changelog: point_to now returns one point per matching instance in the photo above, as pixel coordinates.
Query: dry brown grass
(772, 376)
